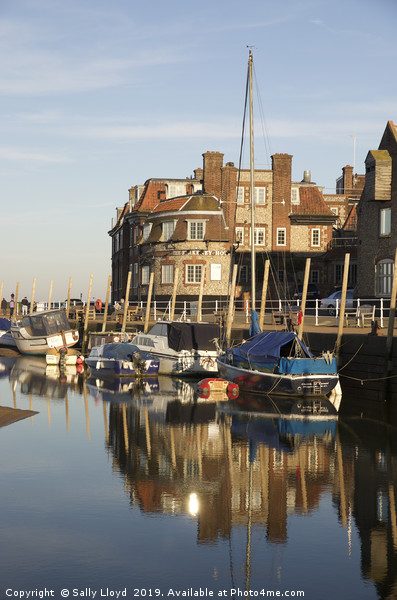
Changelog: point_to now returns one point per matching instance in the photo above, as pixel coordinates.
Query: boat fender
(79, 360)
(204, 389)
(98, 304)
(232, 391)
(79, 368)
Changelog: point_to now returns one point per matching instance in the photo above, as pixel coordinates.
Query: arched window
(384, 277)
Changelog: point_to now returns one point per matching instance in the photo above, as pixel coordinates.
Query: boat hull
(121, 368)
(275, 383)
(28, 344)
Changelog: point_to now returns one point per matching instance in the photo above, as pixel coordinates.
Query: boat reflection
(33, 376)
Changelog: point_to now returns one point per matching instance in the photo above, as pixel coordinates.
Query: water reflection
(264, 468)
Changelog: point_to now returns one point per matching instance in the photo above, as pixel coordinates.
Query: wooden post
(174, 294)
(126, 301)
(230, 312)
(148, 302)
(69, 295)
(33, 292)
(200, 300)
(105, 314)
(87, 308)
(342, 306)
(304, 296)
(390, 325)
(264, 294)
(50, 294)
(16, 301)
(1, 289)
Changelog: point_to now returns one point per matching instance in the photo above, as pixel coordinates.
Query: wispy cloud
(18, 155)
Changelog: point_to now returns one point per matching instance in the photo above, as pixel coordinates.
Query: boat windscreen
(192, 336)
(49, 323)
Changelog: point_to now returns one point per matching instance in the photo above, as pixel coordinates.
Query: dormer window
(168, 229)
(196, 230)
(146, 232)
(295, 196)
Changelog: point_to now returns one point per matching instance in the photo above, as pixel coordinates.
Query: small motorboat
(122, 359)
(38, 332)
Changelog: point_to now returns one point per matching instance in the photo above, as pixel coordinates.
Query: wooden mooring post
(85, 334)
(105, 313)
(230, 312)
(342, 307)
(304, 296)
(264, 294)
(148, 302)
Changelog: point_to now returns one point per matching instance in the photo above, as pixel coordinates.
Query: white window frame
(316, 231)
(240, 235)
(385, 222)
(260, 195)
(281, 231)
(193, 273)
(167, 273)
(240, 194)
(384, 277)
(215, 272)
(258, 233)
(146, 229)
(168, 228)
(295, 199)
(145, 274)
(192, 227)
(173, 190)
(335, 210)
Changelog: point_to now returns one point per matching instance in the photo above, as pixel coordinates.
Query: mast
(252, 184)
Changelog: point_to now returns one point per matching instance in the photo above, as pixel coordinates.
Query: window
(352, 277)
(260, 195)
(259, 236)
(384, 277)
(281, 236)
(243, 276)
(335, 210)
(314, 276)
(168, 229)
(240, 235)
(216, 272)
(240, 195)
(167, 273)
(193, 273)
(295, 196)
(196, 230)
(135, 276)
(174, 190)
(385, 221)
(145, 275)
(146, 232)
(315, 237)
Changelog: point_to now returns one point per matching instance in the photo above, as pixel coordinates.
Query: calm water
(139, 493)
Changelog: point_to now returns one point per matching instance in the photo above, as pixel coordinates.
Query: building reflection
(231, 469)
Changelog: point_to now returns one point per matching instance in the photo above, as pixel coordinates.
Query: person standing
(12, 305)
(4, 305)
(25, 304)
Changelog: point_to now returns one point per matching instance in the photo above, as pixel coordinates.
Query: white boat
(121, 359)
(38, 332)
(182, 348)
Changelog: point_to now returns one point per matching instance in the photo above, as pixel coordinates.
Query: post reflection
(246, 466)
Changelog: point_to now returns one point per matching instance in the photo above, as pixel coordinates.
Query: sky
(97, 96)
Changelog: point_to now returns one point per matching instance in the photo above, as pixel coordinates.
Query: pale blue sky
(99, 95)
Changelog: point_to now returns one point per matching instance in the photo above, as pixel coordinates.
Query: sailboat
(276, 362)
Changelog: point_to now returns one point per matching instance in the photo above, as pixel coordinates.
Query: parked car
(334, 299)
(312, 292)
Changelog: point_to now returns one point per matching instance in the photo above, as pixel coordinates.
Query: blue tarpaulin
(269, 344)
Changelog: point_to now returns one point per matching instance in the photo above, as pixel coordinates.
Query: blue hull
(290, 384)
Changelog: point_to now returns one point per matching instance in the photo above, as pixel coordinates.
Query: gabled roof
(312, 203)
(195, 202)
(351, 222)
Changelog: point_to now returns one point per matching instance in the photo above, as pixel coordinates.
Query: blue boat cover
(5, 324)
(307, 366)
(268, 344)
(122, 351)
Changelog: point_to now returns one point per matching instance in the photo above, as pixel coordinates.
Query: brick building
(377, 218)
(200, 225)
